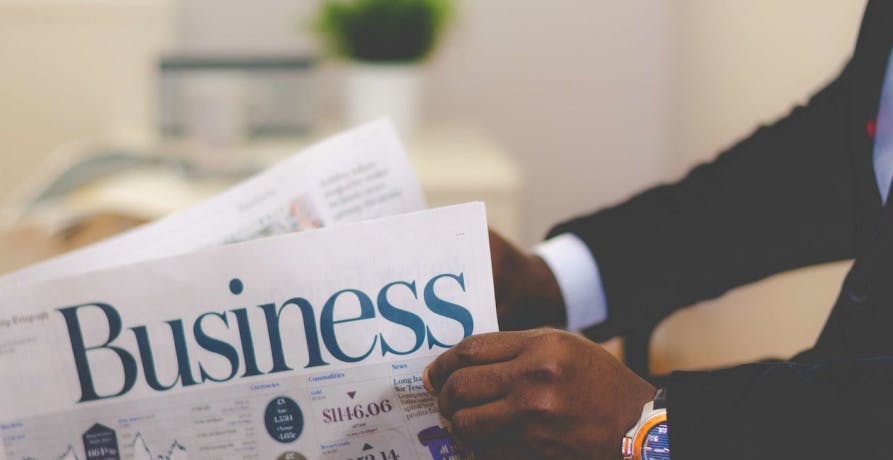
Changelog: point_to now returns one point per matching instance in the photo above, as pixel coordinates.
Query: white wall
(239, 26)
(575, 89)
(737, 64)
(71, 71)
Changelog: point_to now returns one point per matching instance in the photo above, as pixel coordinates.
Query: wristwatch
(649, 439)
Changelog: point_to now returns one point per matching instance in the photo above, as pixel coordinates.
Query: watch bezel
(656, 418)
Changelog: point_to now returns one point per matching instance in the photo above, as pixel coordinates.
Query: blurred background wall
(577, 89)
(74, 70)
(594, 100)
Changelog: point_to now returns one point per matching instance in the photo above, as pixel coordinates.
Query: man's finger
(473, 386)
(475, 350)
(480, 425)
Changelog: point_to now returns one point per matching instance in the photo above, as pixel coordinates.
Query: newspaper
(357, 175)
(301, 346)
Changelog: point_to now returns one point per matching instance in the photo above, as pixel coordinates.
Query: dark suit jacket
(799, 192)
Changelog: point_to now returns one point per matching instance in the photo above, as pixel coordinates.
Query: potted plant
(384, 41)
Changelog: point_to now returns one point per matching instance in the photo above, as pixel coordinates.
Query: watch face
(657, 443)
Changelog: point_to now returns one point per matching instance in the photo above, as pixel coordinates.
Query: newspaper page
(301, 346)
(356, 175)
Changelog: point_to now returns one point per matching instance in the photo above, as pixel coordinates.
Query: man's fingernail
(427, 381)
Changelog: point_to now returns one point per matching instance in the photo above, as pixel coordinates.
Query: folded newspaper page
(356, 175)
(301, 346)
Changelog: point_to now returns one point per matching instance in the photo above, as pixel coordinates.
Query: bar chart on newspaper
(384, 415)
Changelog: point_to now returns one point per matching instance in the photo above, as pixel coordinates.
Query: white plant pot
(374, 91)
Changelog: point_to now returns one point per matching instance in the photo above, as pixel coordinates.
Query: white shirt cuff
(578, 279)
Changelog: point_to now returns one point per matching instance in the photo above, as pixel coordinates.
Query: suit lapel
(850, 330)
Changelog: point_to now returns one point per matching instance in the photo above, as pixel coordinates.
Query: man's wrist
(576, 272)
(545, 291)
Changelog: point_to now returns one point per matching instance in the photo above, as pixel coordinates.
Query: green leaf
(383, 30)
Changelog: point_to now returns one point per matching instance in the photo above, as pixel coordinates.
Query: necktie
(883, 135)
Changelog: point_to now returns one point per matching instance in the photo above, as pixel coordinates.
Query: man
(809, 189)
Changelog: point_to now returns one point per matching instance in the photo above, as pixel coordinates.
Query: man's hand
(537, 394)
(527, 294)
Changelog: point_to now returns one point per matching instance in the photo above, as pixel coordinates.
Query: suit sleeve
(837, 409)
(780, 199)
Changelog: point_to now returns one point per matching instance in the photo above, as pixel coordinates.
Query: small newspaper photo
(208, 339)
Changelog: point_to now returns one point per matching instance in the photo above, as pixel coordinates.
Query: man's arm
(560, 286)
(783, 198)
(579, 279)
